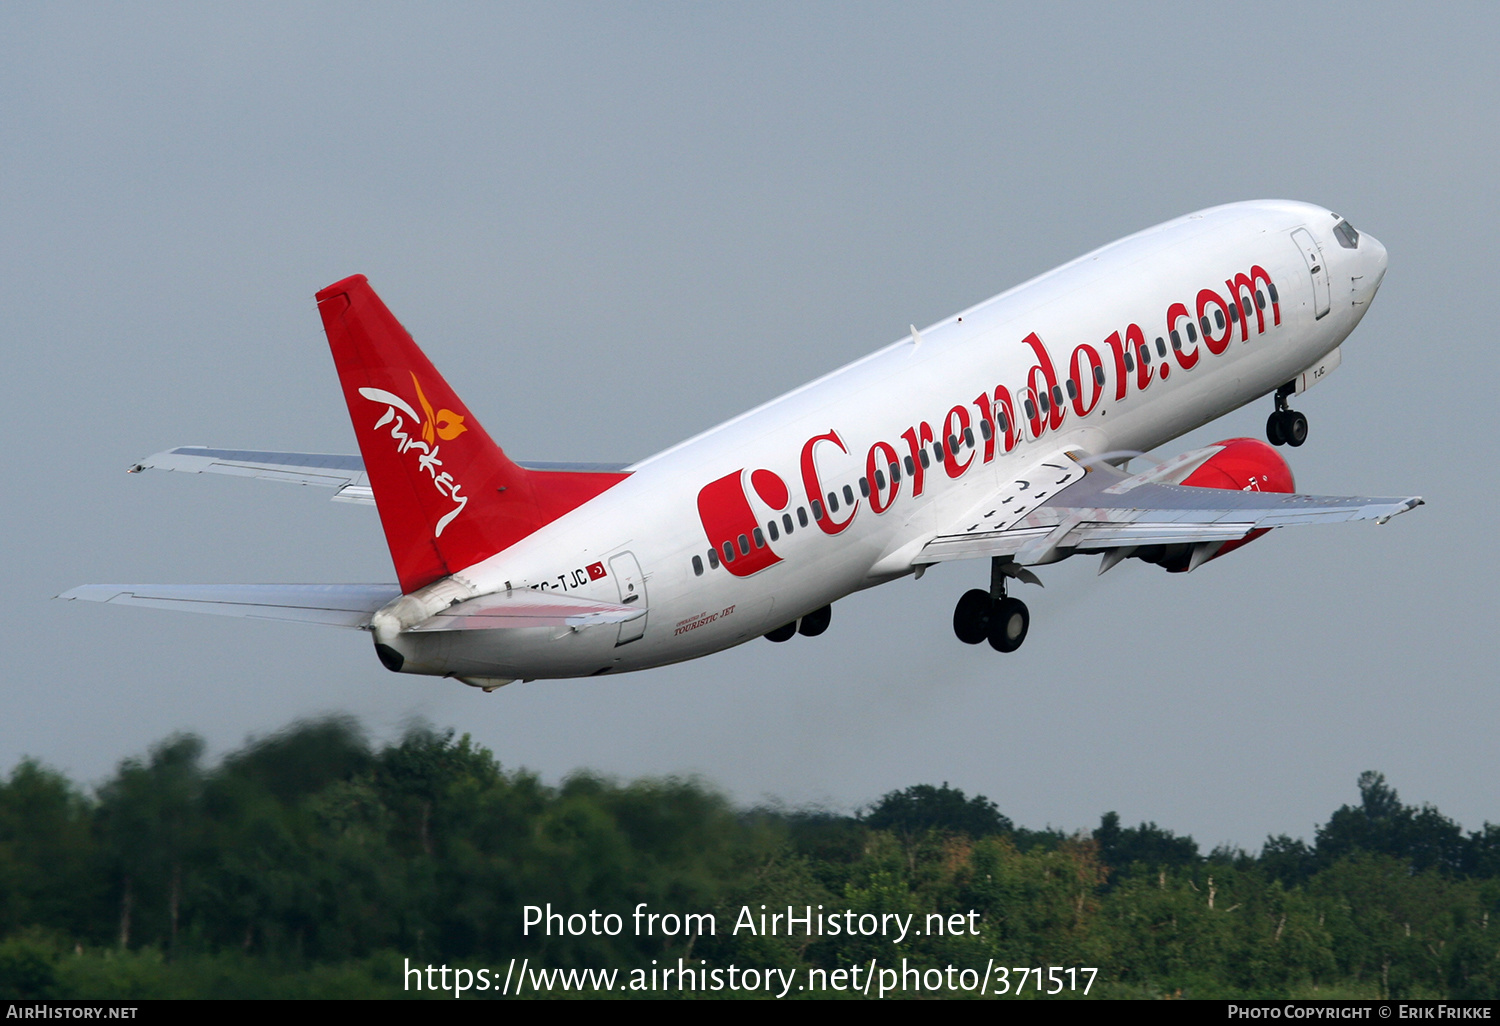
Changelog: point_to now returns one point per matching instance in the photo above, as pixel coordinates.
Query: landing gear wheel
(782, 633)
(1294, 427)
(816, 622)
(971, 618)
(1009, 621)
(1276, 428)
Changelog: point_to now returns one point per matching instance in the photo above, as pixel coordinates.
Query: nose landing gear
(1286, 426)
(992, 615)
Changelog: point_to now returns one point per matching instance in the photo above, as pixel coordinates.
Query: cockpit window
(1347, 236)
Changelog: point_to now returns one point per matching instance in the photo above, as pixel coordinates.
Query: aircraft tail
(448, 496)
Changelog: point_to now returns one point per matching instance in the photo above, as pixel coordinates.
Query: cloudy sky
(584, 212)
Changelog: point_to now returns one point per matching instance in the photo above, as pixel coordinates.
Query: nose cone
(1373, 254)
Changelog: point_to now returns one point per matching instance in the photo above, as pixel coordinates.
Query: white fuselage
(961, 373)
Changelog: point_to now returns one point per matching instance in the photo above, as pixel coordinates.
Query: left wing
(1071, 502)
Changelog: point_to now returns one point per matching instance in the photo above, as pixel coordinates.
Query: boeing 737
(999, 433)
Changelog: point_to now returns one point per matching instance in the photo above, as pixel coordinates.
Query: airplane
(1001, 433)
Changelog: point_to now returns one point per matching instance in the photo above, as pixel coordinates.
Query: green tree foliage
(313, 863)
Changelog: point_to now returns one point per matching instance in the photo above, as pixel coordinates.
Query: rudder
(448, 496)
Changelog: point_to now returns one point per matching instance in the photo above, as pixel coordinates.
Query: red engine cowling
(1243, 464)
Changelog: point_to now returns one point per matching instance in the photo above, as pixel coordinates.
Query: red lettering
(1005, 407)
(916, 444)
(1209, 298)
(882, 457)
(1049, 379)
(815, 488)
(952, 433)
(1088, 384)
(1185, 359)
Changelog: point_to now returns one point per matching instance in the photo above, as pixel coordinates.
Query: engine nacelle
(1241, 464)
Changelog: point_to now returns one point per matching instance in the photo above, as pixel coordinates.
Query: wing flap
(330, 605)
(1097, 507)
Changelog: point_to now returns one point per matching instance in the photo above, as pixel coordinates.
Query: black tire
(782, 633)
(1295, 428)
(1009, 622)
(971, 617)
(815, 623)
(1275, 428)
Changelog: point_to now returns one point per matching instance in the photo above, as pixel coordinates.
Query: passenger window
(910, 469)
(698, 566)
(771, 530)
(1145, 355)
(833, 503)
(849, 495)
(729, 552)
(895, 472)
(744, 545)
(984, 429)
(879, 479)
(1161, 346)
(1192, 332)
(969, 437)
(937, 451)
(817, 510)
(1245, 304)
(1260, 299)
(1099, 376)
(1057, 395)
(926, 460)
(1176, 342)
(713, 559)
(1271, 288)
(1234, 313)
(1129, 362)
(786, 522)
(1004, 421)
(802, 515)
(1218, 319)
(1072, 389)
(760, 539)
(1044, 403)
(1030, 409)
(864, 487)
(1203, 323)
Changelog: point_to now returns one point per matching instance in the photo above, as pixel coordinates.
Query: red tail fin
(448, 497)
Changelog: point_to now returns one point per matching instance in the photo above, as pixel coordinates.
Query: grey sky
(612, 226)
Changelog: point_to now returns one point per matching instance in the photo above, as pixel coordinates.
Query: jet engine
(1242, 464)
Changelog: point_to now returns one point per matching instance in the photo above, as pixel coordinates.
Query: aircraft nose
(1375, 259)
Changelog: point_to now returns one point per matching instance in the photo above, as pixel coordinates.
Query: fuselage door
(1317, 267)
(626, 571)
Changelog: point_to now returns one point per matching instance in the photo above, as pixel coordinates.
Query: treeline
(312, 863)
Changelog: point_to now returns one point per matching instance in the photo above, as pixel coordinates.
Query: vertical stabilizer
(448, 496)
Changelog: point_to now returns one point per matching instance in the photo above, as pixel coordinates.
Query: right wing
(346, 473)
(1071, 502)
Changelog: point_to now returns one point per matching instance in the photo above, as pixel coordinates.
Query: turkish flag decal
(596, 571)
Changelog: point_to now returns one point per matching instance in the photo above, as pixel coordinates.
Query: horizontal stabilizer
(345, 472)
(332, 605)
(527, 608)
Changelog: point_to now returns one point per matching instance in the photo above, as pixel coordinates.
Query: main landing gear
(992, 615)
(809, 626)
(1285, 426)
